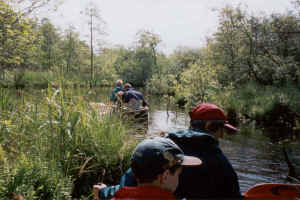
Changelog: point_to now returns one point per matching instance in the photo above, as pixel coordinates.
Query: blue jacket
(114, 92)
(127, 179)
(214, 179)
(131, 93)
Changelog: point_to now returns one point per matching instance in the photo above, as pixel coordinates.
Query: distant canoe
(103, 109)
(140, 115)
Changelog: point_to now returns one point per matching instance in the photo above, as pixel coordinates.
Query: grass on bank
(56, 147)
(42, 79)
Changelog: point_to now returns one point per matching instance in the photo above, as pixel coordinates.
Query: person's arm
(113, 95)
(96, 189)
(107, 192)
(128, 179)
(141, 97)
(144, 102)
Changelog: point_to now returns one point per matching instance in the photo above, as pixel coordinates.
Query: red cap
(208, 111)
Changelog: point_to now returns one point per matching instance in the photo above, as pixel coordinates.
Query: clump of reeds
(56, 147)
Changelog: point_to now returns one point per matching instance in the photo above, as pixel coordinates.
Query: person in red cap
(215, 178)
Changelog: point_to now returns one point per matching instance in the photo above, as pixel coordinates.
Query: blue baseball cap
(154, 155)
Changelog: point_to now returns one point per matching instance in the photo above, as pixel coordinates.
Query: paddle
(274, 191)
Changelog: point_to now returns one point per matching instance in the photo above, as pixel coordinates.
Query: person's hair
(127, 86)
(119, 82)
(140, 174)
(149, 177)
(174, 169)
(211, 128)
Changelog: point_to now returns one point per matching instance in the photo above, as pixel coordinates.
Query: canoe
(138, 116)
(273, 191)
(102, 109)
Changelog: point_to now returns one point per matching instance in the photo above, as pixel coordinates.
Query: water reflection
(161, 120)
(255, 161)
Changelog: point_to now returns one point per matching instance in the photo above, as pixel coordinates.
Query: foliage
(16, 37)
(34, 179)
(161, 84)
(198, 84)
(46, 144)
(245, 48)
(6, 101)
(134, 66)
(181, 59)
(50, 51)
(254, 101)
(106, 71)
(250, 47)
(137, 65)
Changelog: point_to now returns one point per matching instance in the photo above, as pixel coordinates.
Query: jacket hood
(194, 139)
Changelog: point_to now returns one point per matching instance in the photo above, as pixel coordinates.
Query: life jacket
(143, 192)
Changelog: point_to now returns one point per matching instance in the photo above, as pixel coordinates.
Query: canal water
(253, 156)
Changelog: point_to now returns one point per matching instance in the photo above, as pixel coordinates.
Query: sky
(179, 23)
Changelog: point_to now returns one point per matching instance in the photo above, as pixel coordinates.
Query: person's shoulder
(192, 138)
(188, 133)
(116, 89)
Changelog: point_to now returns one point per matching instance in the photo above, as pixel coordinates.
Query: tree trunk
(92, 53)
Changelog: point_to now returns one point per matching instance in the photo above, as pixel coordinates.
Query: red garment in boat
(143, 192)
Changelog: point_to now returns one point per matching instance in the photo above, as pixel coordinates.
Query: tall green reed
(60, 134)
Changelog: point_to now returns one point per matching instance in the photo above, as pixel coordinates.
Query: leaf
(11, 32)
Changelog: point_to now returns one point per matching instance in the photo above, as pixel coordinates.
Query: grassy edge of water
(57, 147)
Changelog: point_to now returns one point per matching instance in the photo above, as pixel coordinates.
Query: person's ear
(207, 124)
(221, 132)
(164, 176)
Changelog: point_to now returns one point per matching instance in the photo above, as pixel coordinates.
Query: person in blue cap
(156, 164)
(215, 178)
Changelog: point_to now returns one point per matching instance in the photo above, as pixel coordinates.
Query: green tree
(148, 39)
(50, 41)
(17, 39)
(256, 49)
(107, 59)
(182, 58)
(69, 46)
(138, 64)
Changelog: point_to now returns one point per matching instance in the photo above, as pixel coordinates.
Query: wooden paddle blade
(270, 191)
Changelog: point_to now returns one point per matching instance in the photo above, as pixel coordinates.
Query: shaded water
(255, 159)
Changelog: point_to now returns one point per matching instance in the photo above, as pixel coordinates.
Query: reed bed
(54, 146)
